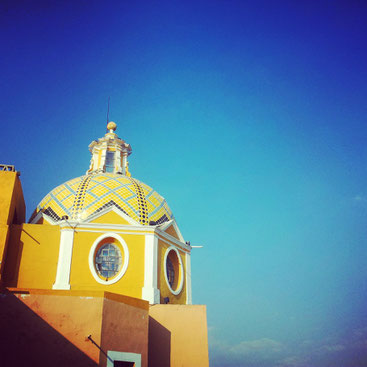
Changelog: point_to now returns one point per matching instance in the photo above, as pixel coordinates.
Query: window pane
(170, 272)
(110, 160)
(108, 260)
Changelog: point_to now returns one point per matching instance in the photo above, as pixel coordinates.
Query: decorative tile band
(143, 209)
(80, 196)
(84, 196)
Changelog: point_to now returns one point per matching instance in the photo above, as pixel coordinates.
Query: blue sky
(249, 117)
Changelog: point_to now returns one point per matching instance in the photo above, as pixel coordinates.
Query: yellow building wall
(110, 218)
(11, 198)
(12, 210)
(32, 256)
(7, 186)
(132, 281)
(4, 234)
(162, 284)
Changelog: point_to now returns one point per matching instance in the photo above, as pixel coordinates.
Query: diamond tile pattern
(83, 196)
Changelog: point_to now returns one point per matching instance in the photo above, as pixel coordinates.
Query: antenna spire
(108, 109)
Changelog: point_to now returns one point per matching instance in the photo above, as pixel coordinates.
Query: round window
(108, 260)
(170, 272)
(173, 270)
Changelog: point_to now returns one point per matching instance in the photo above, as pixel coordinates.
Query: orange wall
(66, 318)
(184, 328)
(67, 314)
(125, 328)
(50, 329)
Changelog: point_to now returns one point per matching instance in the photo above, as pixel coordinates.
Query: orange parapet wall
(178, 336)
(48, 327)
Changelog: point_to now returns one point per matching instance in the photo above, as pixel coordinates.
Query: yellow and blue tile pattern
(84, 196)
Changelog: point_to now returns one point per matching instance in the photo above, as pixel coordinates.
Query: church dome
(107, 183)
(87, 195)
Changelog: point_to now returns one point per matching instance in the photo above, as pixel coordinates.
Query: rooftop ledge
(135, 302)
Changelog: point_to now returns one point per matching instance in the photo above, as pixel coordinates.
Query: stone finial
(111, 126)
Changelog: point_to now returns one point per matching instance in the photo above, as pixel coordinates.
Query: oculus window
(174, 272)
(170, 270)
(108, 260)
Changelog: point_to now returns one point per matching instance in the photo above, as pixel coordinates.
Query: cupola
(109, 153)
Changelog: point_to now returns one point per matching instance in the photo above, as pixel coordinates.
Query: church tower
(122, 226)
(101, 274)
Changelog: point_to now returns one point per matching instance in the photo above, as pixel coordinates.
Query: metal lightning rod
(108, 109)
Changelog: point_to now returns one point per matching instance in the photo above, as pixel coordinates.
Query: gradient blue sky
(249, 117)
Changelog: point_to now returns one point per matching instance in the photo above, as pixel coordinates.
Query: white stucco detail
(118, 159)
(92, 252)
(95, 160)
(113, 356)
(150, 292)
(188, 279)
(124, 162)
(64, 263)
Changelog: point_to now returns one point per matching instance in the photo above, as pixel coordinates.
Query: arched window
(110, 161)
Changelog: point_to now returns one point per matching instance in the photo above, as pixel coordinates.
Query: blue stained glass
(108, 260)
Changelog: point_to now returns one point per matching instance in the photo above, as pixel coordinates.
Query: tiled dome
(86, 195)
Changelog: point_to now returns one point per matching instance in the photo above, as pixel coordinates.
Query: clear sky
(249, 117)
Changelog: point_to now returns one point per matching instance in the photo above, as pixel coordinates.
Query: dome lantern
(109, 153)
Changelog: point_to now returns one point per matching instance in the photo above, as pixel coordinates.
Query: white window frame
(92, 259)
(180, 269)
(113, 356)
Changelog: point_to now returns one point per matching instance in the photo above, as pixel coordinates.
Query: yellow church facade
(102, 234)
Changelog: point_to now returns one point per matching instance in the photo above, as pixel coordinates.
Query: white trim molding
(113, 356)
(181, 270)
(79, 225)
(150, 292)
(64, 262)
(46, 217)
(91, 258)
(169, 241)
(188, 279)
